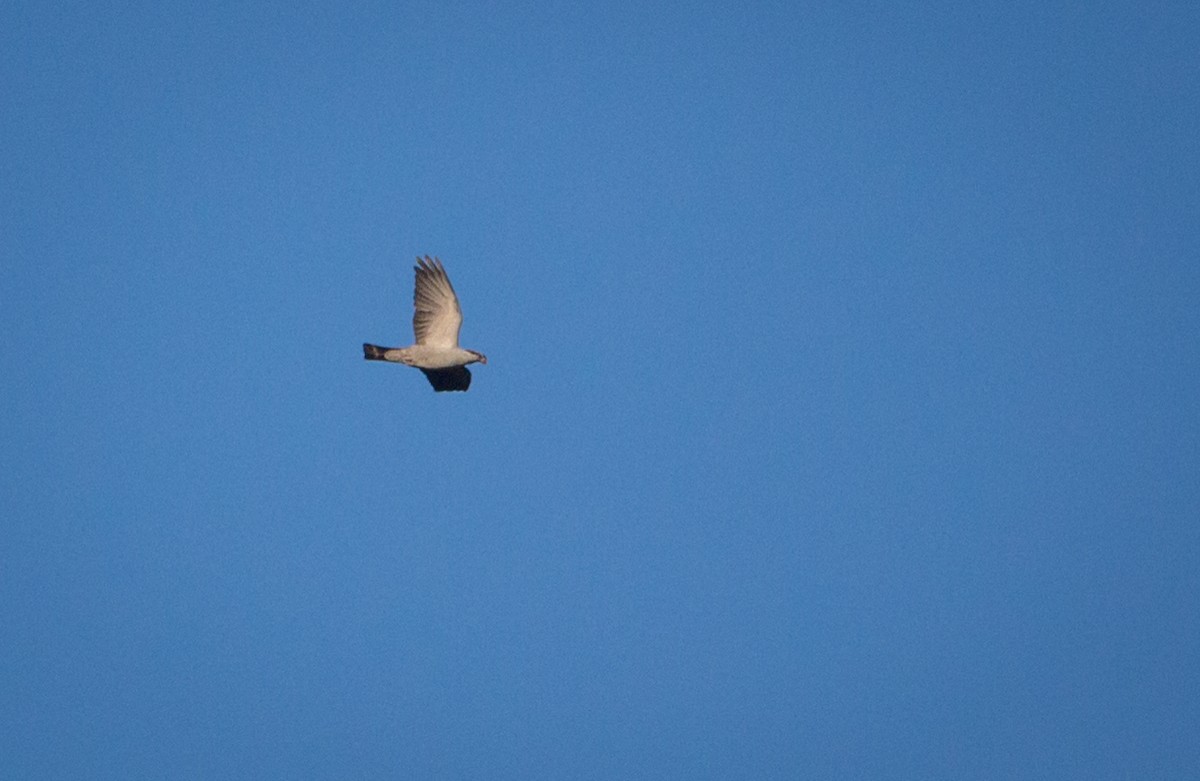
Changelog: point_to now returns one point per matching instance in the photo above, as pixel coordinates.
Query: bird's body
(437, 319)
(423, 356)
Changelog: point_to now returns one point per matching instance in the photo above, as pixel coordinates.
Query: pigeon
(436, 322)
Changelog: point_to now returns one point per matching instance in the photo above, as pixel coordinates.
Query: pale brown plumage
(437, 320)
(437, 317)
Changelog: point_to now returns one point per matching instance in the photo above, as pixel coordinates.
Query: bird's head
(479, 357)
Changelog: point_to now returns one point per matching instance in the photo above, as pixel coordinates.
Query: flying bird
(437, 319)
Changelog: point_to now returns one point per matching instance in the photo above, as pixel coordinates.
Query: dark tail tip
(372, 352)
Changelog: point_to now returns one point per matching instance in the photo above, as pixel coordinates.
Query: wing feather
(456, 378)
(437, 317)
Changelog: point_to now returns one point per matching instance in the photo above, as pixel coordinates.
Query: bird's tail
(373, 352)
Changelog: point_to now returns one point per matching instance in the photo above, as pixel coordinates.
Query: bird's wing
(437, 317)
(456, 378)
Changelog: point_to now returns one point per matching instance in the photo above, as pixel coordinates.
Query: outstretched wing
(457, 378)
(437, 317)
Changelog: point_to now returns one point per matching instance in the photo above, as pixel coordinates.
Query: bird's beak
(483, 359)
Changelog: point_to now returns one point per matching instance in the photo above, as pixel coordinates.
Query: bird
(437, 319)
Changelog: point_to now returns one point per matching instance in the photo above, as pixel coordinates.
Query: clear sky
(840, 418)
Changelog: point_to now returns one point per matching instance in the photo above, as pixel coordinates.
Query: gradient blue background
(841, 416)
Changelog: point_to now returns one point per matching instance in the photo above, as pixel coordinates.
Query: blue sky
(840, 417)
